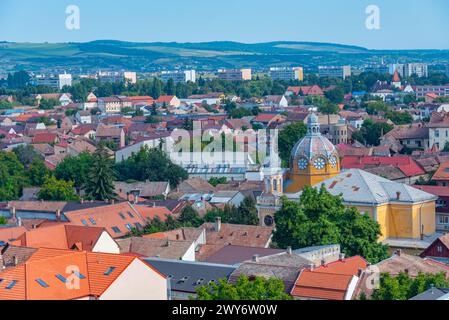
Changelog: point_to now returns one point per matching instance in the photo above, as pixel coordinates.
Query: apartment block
(53, 81)
(179, 76)
(235, 75)
(334, 71)
(287, 74)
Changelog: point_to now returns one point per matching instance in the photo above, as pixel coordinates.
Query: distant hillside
(153, 56)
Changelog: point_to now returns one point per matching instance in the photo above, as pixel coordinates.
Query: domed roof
(313, 144)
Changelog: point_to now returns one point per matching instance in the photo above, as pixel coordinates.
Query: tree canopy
(101, 175)
(403, 287)
(288, 136)
(320, 218)
(57, 190)
(244, 289)
(151, 164)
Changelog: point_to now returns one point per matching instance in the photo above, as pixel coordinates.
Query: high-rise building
(334, 71)
(53, 81)
(409, 69)
(234, 75)
(116, 76)
(179, 76)
(287, 74)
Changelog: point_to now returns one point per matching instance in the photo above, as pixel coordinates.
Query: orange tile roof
(122, 216)
(10, 234)
(330, 281)
(442, 173)
(46, 264)
(149, 213)
(62, 236)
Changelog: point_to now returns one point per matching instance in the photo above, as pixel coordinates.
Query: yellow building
(401, 210)
(313, 159)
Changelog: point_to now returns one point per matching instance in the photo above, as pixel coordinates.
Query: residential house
(118, 219)
(402, 169)
(232, 198)
(304, 91)
(45, 137)
(439, 129)
(438, 250)
(70, 237)
(159, 248)
(168, 101)
(441, 176)
(433, 294)
(186, 276)
(110, 133)
(84, 117)
(337, 280)
(268, 119)
(113, 105)
(279, 101)
(147, 189)
(52, 274)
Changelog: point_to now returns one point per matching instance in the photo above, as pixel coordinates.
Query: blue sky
(404, 24)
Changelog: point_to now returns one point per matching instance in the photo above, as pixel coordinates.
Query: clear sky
(404, 24)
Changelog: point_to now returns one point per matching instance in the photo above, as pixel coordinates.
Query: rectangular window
(138, 225)
(62, 278)
(129, 226)
(92, 221)
(109, 271)
(122, 216)
(11, 285)
(444, 220)
(130, 215)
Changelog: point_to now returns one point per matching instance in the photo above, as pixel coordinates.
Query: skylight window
(42, 283)
(11, 285)
(62, 278)
(84, 222)
(129, 226)
(130, 214)
(92, 221)
(116, 229)
(79, 275)
(109, 271)
(122, 216)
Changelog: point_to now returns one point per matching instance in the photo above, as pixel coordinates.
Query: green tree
(48, 104)
(335, 95)
(245, 289)
(371, 132)
(100, 179)
(399, 118)
(320, 218)
(216, 181)
(374, 107)
(12, 176)
(288, 137)
(75, 168)
(403, 287)
(151, 164)
(37, 173)
(247, 212)
(26, 154)
(190, 217)
(57, 190)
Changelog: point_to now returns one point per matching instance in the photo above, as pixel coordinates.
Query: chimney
(58, 215)
(310, 266)
(15, 260)
(256, 258)
(323, 262)
(217, 224)
(13, 212)
(113, 201)
(341, 256)
(168, 243)
(82, 200)
(19, 221)
(289, 251)
(398, 252)
(359, 272)
(398, 195)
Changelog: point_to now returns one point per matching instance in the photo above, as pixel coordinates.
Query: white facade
(137, 282)
(286, 74)
(179, 76)
(106, 244)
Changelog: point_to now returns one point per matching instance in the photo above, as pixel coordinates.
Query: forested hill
(105, 54)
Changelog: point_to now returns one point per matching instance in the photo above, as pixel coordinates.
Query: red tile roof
(306, 90)
(442, 173)
(435, 190)
(45, 137)
(407, 165)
